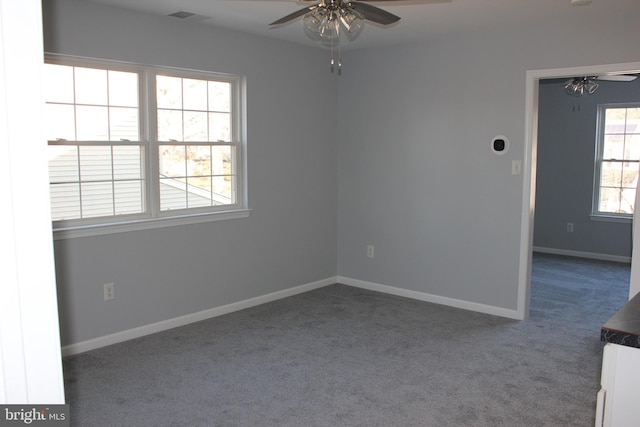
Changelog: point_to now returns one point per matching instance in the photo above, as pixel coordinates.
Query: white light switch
(516, 167)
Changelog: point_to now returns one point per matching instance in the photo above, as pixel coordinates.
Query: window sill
(145, 224)
(608, 218)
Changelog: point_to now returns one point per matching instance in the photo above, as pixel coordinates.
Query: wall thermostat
(500, 145)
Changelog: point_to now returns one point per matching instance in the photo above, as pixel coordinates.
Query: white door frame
(529, 163)
(30, 355)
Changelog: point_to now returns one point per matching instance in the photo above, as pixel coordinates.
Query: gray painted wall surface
(416, 176)
(290, 237)
(566, 147)
(411, 172)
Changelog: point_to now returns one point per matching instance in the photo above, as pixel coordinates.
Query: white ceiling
(419, 21)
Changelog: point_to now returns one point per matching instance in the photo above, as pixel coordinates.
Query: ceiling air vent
(181, 14)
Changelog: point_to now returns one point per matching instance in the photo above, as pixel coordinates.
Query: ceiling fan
(326, 21)
(587, 85)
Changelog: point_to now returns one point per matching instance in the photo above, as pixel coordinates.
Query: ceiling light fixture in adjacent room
(579, 86)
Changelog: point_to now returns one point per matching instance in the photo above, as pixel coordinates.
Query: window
(617, 159)
(141, 144)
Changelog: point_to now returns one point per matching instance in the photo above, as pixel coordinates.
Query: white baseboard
(580, 254)
(164, 325)
(422, 296)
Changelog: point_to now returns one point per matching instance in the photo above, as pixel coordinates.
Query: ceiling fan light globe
(590, 86)
(356, 29)
(312, 24)
(573, 88)
(330, 31)
(330, 40)
(352, 21)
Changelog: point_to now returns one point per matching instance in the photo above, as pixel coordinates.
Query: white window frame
(596, 214)
(153, 217)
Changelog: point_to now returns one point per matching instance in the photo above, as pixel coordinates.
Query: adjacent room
(339, 244)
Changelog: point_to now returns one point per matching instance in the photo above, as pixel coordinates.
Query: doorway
(533, 78)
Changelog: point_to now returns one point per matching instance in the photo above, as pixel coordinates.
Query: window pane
(173, 161)
(195, 94)
(65, 201)
(611, 174)
(127, 162)
(219, 127)
(63, 164)
(222, 190)
(617, 141)
(93, 177)
(222, 160)
(615, 120)
(609, 200)
(195, 126)
(199, 160)
(633, 120)
(169, 125)
(613, 147)
(91, 86)
(632, 147)
(629, 174)
(628, 200)
(58, 83)
(169, 92)
(92, 123)
(123, 89)
(95, 164)
(128, 197)
(97, 199)
(59, 122)
(199, 192)
(123, 124)
(173, 194)
(219, 96)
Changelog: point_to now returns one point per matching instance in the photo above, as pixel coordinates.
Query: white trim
(164, 325)
(601, 133)
(529, 163)
(581, 254)
(148, 140)
(30, 363)
(146, 224)
(436, 299)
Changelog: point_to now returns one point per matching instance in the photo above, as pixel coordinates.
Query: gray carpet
(342, 356)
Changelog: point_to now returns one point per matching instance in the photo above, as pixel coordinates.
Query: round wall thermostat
(500, 145)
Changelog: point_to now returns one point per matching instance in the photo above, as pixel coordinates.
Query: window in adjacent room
(617, 160)
(134, 144)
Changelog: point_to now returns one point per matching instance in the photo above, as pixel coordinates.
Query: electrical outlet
(569, 227)
(370, 251)
(109, 291)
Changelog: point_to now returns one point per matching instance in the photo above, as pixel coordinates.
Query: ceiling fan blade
(618, 78)
(375, 14)
(410, 1)
(293, 15)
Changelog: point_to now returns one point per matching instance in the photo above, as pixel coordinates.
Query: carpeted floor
(342, 356)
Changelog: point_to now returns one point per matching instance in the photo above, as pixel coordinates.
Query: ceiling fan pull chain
(332, 58)
(339, 58)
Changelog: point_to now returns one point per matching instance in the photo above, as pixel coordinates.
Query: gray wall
(416, 176)
(290, 237)
(411, 172)
(566, 147)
